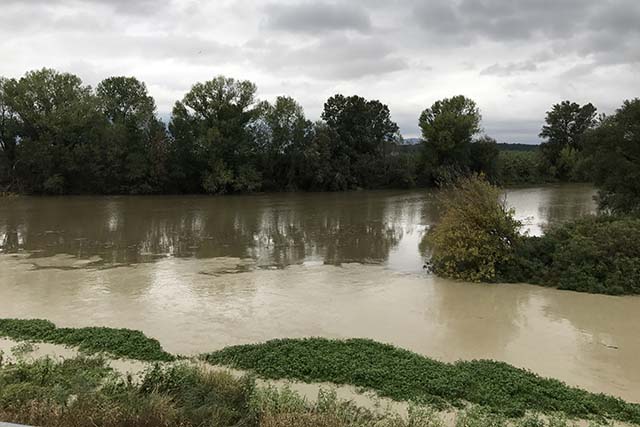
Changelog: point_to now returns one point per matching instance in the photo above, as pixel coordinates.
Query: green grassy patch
(404, 375)
(84, 391)
(117, 342)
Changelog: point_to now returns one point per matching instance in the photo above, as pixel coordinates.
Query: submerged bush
(599, 254)
(476, 232)
(477, 240)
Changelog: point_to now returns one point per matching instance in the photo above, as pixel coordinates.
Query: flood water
(201, 273)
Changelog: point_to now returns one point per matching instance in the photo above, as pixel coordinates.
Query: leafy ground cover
(404, 375)
(85, 391)
(390, 371)
(117, 342)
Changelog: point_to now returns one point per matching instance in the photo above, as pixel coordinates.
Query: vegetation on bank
(84, 391)
(116, 342)
(597, 254)
(59, 136)
(475, 235)
(390, 371)
(478, 239)
(404, 375)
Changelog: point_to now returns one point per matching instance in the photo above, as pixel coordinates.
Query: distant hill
(504, 146)
(411, 141)
(410, 144)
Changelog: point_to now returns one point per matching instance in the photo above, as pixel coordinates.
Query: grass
(117, 342)
(404, 375)
(85, 392)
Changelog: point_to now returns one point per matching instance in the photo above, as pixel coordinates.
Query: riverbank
(82, 390)
(384, 369)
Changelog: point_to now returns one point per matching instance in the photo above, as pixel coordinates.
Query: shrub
(598, 254)
(476, 232)
(613, 152)
(523, 167)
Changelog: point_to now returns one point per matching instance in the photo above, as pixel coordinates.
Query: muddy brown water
(201, 273)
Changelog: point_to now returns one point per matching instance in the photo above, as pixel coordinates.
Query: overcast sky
(515, 58)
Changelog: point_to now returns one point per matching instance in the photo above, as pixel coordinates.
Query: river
(200, 273)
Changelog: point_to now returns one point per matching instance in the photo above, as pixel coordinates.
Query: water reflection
(272, 230)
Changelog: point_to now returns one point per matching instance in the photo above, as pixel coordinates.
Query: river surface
(201, 273)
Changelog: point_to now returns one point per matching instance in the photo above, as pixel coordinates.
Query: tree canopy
(613, 150)
(449, 149)
(61, 136)
(565, 127)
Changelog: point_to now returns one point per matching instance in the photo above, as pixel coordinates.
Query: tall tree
(448, 128)
(214, 147)
(57, 122)
(8, 138)
(286, 134)
(136, 148)
(564, 131)
(364, 131)
(613, 150)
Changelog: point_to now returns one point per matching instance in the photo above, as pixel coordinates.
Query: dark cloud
(317, 17)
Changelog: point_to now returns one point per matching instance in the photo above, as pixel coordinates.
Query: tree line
(59, 136)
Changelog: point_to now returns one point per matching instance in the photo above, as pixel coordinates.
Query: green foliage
(202, 396)
(523, 167)
(478, 416)
(8, 142)
(613, 153)
(564, 132)
(403, 375)
(448, 128)
(597, 254)
(184, 393)
(137, 150)
(483, 157)
(360, 135)
(117, 342)
(56, 121)
(283, 134)
(211, 126)
(476, 232)
(59, 136)
(84, 391)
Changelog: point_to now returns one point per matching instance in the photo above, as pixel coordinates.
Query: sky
(515, 58)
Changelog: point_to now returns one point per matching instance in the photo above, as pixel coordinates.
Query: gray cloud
(316, 17)
(510, 68)
(120, 6)
(502, 20)
(407, 53)
(514, 131)
(336, 57)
